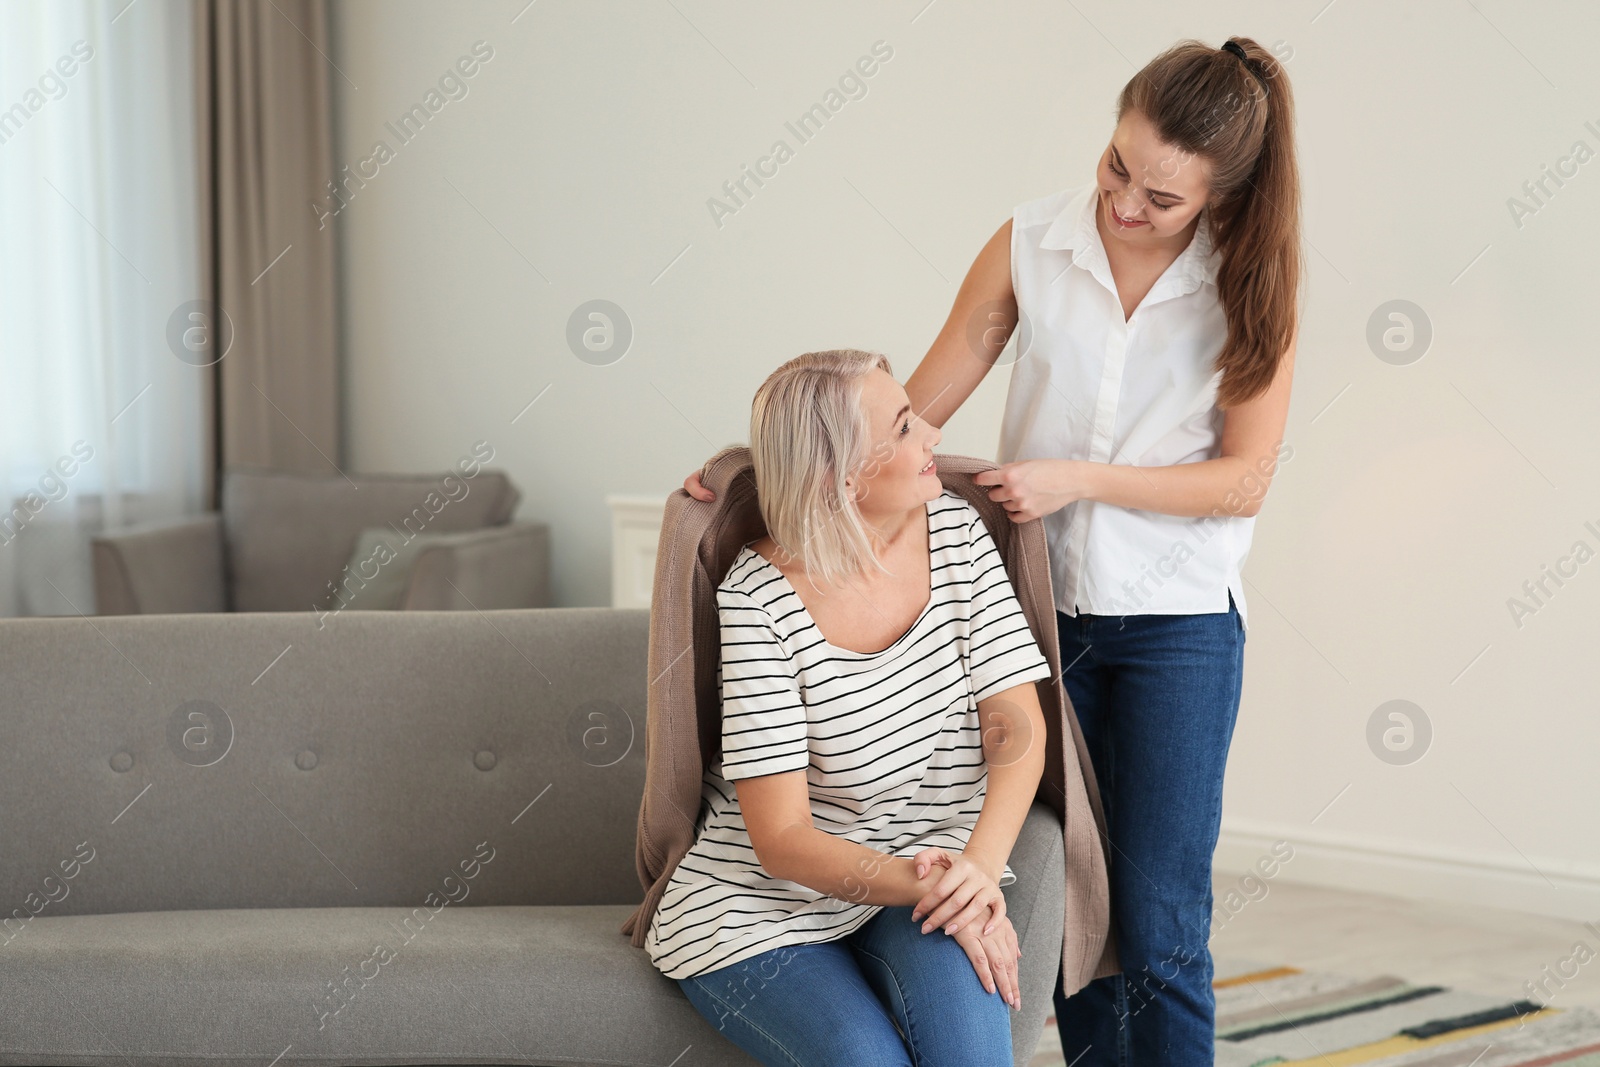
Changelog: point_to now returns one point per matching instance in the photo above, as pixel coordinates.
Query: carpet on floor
(1280, 1015)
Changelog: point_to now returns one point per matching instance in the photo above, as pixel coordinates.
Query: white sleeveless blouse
(1090, 386)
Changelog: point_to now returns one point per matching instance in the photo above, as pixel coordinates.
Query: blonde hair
(808, 433)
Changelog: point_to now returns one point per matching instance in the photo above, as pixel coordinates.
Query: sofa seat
(465, 985)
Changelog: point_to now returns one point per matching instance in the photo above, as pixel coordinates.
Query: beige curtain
(264, 74)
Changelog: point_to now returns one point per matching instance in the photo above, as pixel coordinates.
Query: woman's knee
(933, 990)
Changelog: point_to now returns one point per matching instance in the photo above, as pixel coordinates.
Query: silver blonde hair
(808, 433)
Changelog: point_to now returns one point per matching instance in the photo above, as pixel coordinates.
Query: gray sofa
(391, 838)
(283, 541)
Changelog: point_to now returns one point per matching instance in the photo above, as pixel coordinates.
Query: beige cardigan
(698, 544)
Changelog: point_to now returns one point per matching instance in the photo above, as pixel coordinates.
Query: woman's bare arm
(979, 324)
(777, 815)
(1014, 736)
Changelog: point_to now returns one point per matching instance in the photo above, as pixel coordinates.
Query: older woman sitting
(881, 745)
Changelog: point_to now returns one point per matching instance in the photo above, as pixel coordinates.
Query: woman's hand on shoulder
(692, 486)
(961, 896)
(1032, 488)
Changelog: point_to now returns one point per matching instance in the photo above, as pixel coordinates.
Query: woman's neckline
(927, 511)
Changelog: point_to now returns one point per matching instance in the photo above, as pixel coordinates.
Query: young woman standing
(1159, 313)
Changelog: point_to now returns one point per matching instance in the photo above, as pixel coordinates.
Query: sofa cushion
(275, 760)
(443, 983)
(288, 535)
(390, 566)
(459, 985)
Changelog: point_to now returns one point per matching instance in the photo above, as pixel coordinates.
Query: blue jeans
(859, 1000)
(1156, 697)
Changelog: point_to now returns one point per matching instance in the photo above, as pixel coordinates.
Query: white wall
(1419, 497)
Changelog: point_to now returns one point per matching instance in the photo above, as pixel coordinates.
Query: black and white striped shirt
(889, 741)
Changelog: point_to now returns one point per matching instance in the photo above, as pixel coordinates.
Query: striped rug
(1272, 1015)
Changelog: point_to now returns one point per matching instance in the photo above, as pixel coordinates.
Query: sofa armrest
(1036, 905)
(160, 567)
(495, 567)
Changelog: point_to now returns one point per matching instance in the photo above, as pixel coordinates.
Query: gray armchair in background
(304, 542)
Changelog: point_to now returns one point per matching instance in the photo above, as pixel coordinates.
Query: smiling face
(1150, 192)
(899, 474)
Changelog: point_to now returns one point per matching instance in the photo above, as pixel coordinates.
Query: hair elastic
(1234, 47)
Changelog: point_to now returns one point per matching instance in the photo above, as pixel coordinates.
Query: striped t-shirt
(889, 741)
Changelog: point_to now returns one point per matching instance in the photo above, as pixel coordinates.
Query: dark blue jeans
(1156, 697)
(858, 1000)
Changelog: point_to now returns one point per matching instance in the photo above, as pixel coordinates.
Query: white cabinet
(635, 532)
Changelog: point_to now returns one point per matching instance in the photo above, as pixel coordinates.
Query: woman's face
(1149, 191)
(899, 474)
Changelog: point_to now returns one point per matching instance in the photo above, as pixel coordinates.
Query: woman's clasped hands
(970, 906)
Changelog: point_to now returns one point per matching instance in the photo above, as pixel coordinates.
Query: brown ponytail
(1237, 114)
